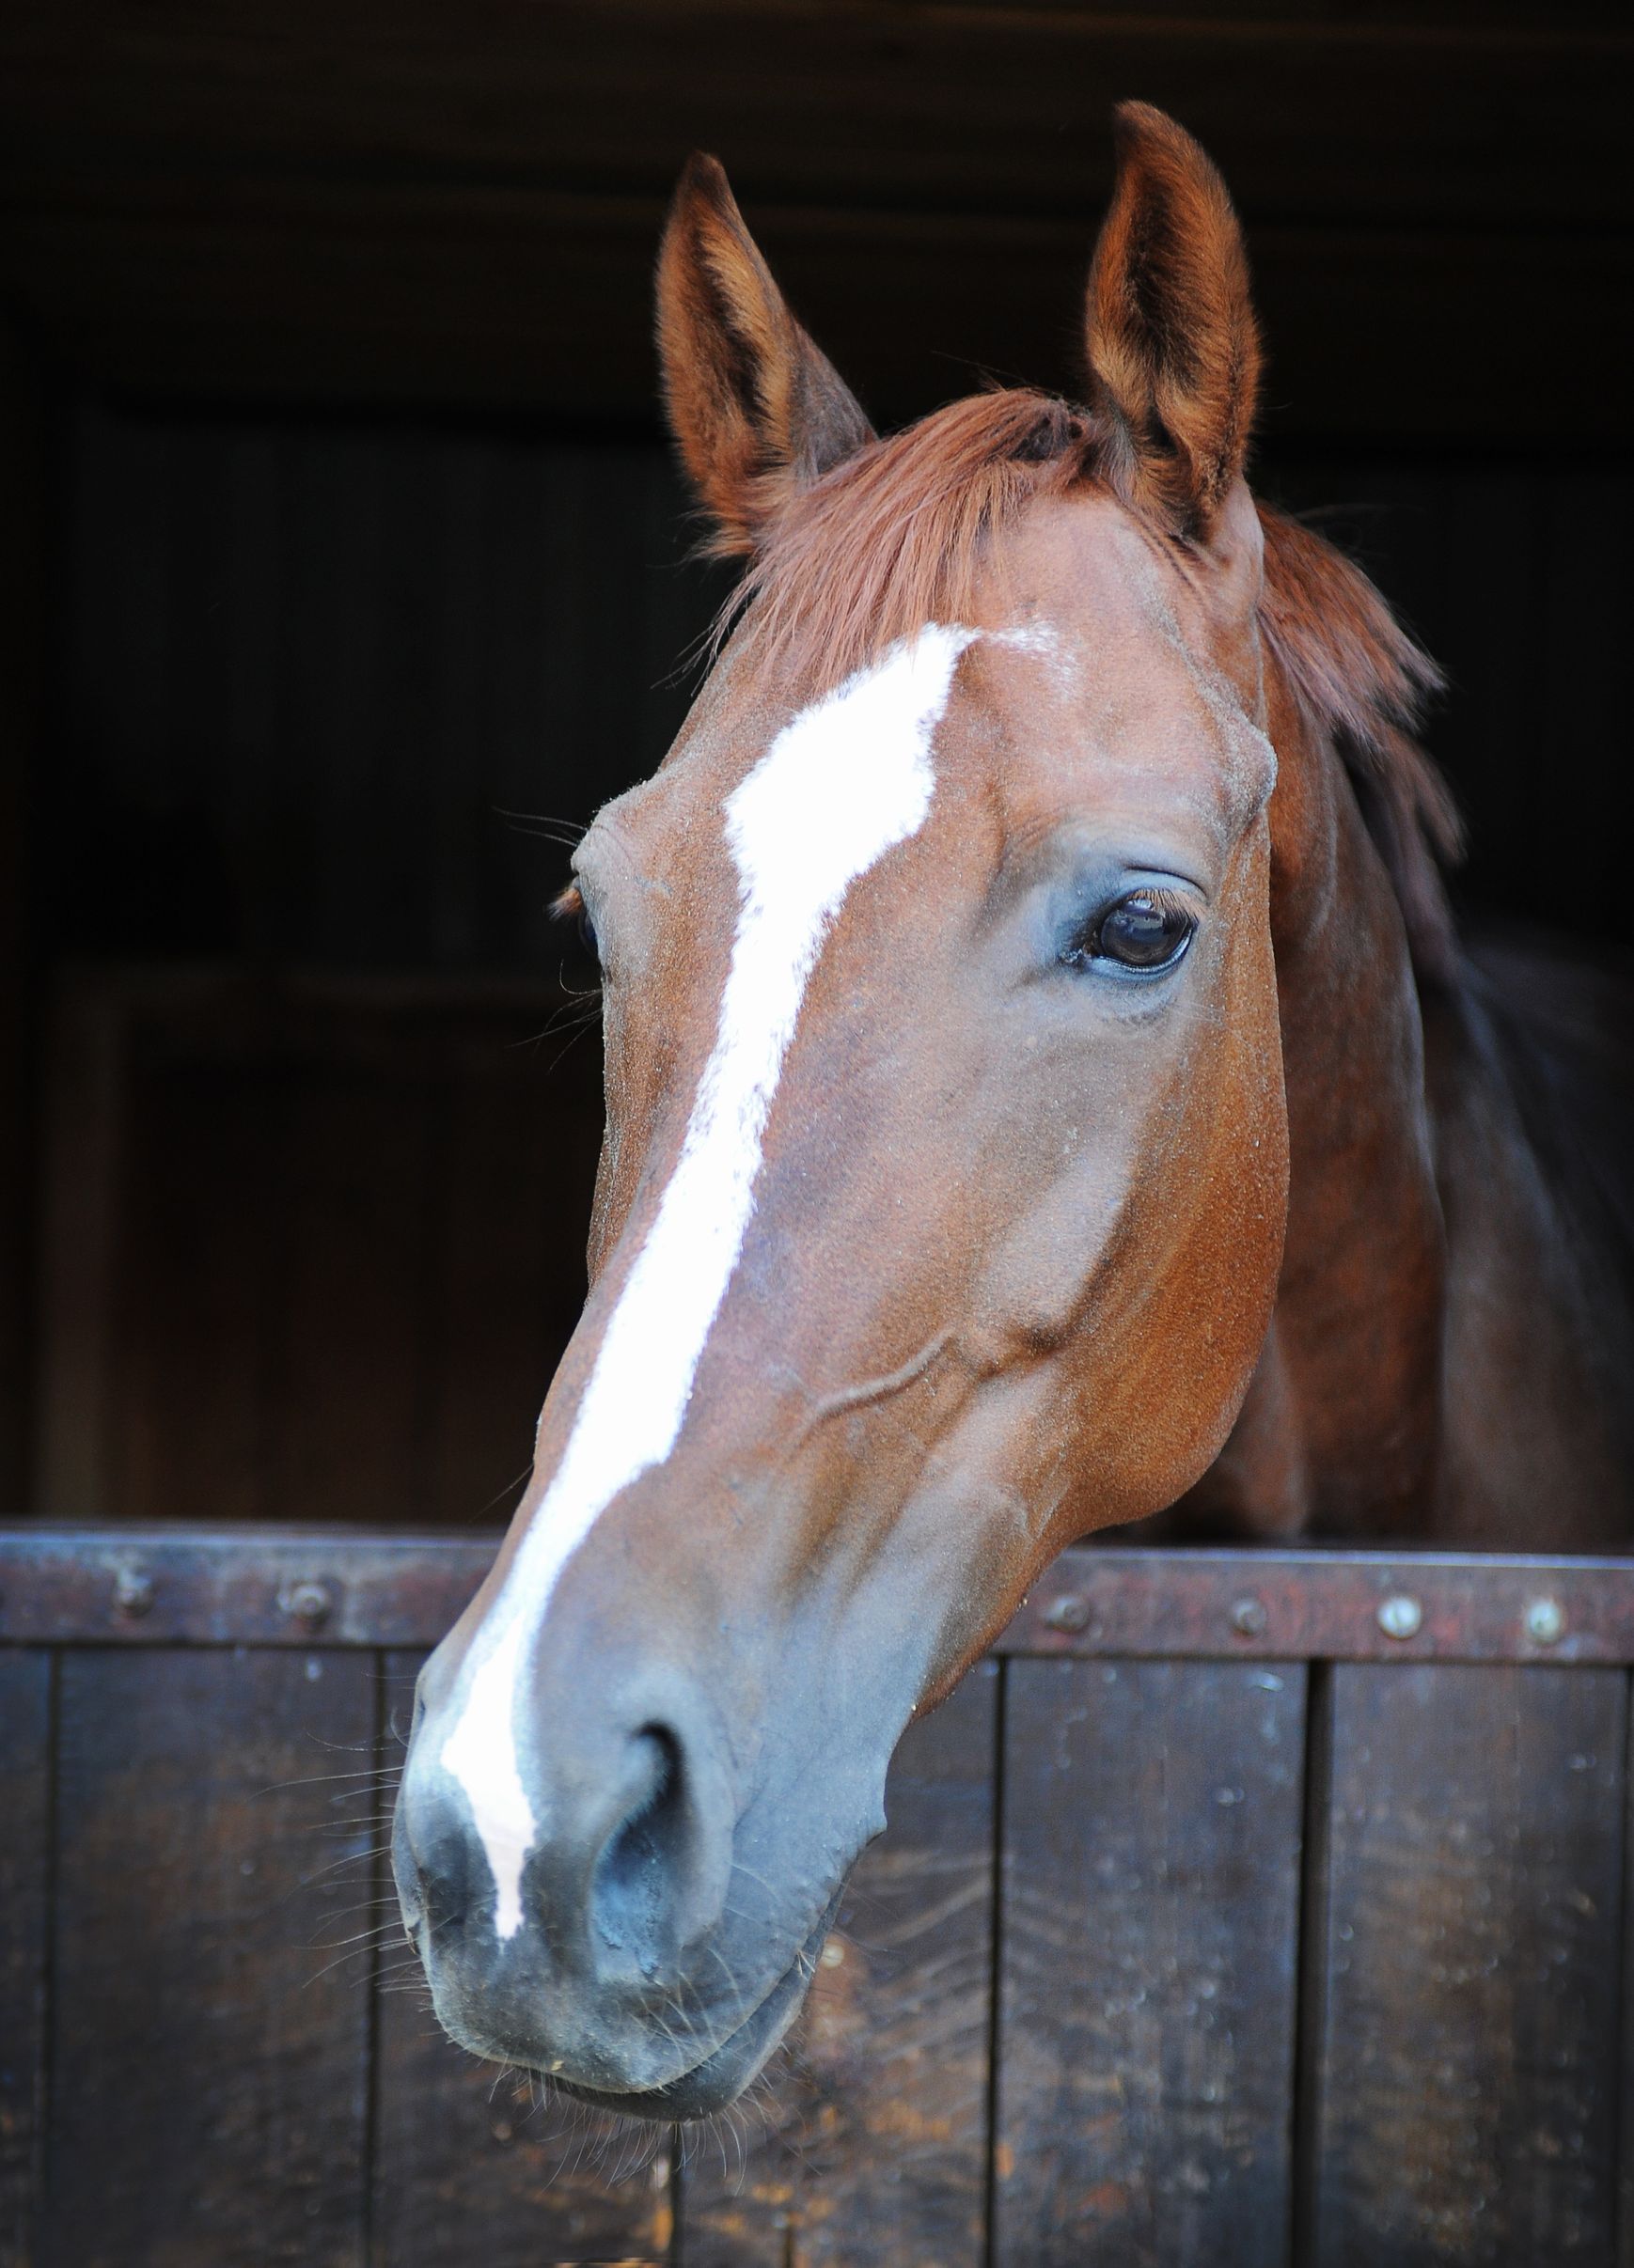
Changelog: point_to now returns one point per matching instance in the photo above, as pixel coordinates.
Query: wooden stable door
(1216, 1927)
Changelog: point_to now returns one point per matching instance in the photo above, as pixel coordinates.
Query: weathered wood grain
(948, 108)
(1376, 329)
(25, 1929)
(1150, 1905)
(1473, 1949)
(510, 1263)
(217, 1585)
(23, 551)
(354, 1321)
(291, 205)
(868, 2143)
(208, 2060)
(212, 2097)
(471, 2163)
(188, 1281)
(302, 1257)
(1624, 2253)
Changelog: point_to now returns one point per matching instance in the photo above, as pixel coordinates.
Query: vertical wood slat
(1152, 1821)
(1469, 1930)
(470, 2166)
(24, 1927)
(1473, 1948)
(210, 2064)
(301, 1256)
(25, 553)
(869, 2143)
(1624, 2076)
(509, 1268)
(189, 1271)
(352, 1309)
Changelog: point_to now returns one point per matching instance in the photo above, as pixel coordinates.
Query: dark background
(345, 571)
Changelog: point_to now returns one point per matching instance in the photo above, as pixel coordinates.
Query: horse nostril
(441, 1881)
(638, 1877)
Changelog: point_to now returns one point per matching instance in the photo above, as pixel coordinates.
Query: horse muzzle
(662, 1942)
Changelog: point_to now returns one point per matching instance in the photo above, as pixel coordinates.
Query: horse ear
(1173, 346)
(756, 408)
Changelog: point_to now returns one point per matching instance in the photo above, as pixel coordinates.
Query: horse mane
(897, 536)
(1359, 677)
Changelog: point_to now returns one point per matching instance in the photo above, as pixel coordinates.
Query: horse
(1044, 1086)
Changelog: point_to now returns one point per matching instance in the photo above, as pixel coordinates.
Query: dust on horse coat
(1042, 1087)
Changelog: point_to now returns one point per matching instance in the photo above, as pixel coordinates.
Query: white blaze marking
(840, 785)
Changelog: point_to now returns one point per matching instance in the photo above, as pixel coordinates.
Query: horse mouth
(722, 2074)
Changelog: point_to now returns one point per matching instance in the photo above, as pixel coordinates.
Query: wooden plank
(1473, 1931)
(869, 2141)
(276, 289)
(352, 1367)
(510, 1254)
(1334, 1605)
(23, 645)
(473, 219)
(282, 1218)
(193, 1261)
(470, 2164)
(282, 1585)
(1624, 2254)
(1150, 1898)
(213, 2061)
(268, 1586)
(76, 1361)
(24, 1923)
(940, 107)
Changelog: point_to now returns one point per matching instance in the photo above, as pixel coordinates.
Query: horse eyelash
(1167, 902)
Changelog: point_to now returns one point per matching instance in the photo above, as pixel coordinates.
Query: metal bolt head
(1069, 1612)
(1400, 1616)
(1545, 1622)
(133, 1592)
(1248, 1618)
(308, 1602)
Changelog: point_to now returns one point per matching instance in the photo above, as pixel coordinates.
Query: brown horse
(1042, 1087)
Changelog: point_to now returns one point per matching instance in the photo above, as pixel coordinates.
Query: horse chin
(723, 2074)
(706, 2086)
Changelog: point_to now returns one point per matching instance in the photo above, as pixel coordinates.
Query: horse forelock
(897, 536)
(901, 534)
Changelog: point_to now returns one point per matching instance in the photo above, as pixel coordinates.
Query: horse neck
(1340, 1430)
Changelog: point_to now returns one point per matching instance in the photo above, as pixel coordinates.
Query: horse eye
(1141, 931)
(588, 937)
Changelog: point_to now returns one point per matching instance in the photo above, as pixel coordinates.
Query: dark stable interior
(346, 573)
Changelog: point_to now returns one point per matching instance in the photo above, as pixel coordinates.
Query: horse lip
(705, 2087)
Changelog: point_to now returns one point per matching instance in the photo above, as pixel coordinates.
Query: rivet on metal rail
(1248, 1618)
(308, 1602)
(133, 1592)
(1069, 1612)
(1400, 1616)
(1545, 1622)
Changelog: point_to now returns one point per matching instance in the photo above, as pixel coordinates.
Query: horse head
(942, 1200)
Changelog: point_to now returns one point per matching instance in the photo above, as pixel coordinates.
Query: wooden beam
(522, 300)
(288, 1585)
(888, 104)
(313, 204)
(20, 555)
